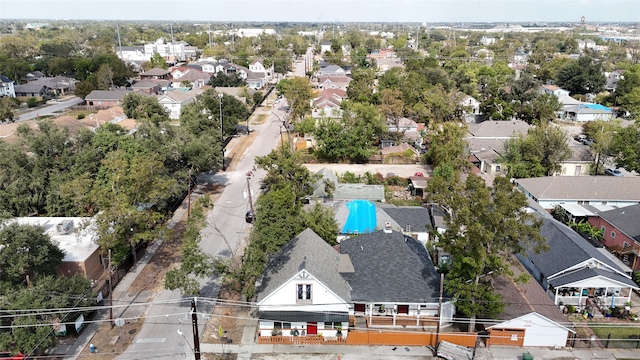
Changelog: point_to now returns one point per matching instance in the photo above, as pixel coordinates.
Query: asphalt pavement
(53, 107)
(223, 236)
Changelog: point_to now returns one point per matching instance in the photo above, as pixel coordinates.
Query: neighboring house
(31, 89)
(586, 44)
(486, 142)
(333, 82)
(401, 151)
(332, 70)
(588, 112)
(133, 53)
(327, 104)
(578, 164)
(393, 282)
(254, 32)
(78, 241)
(401, 125)
(196, 78)
(550, 191)
(574, 272)
(156, 74)
(7, 87)
(34, 75)
(324, 47)
(150, 86)
(105, 97)
(257, 67)
(621, 230)
(529, 317)
(302, 289)
(471, 108)
(174, 100)
(254, 80)
(171, 52)
(554, 90)
(235, 92)
(387, 63)
(486, 40)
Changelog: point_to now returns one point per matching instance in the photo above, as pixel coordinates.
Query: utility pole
(119, 42)
(439, 308)
(194, 323)
(189, 194)
(248, 177)
(110, 292)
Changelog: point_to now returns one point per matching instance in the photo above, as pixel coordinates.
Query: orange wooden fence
(357, 337)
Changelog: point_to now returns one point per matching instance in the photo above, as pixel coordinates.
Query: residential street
(223, 236)
(50, 109)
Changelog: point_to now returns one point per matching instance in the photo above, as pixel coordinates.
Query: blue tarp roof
(362, 217)
(597, 107)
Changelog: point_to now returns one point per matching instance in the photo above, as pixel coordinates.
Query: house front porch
(400, 315)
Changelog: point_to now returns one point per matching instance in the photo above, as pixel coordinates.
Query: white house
(133, 53)
(471, 108)
(550, 191)
(324, 47)
(532, 330)
(6, 87)
(302, 289)
(529, 316)
(257, 67)
(486, 40)
(554, 90)
(574, 272)
(174, 100)
(588, 112)
(254, 32)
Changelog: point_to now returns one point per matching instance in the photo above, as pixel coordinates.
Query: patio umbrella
(613, 298)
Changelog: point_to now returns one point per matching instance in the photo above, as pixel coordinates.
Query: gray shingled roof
(156, 72)
(30, 87)
(626, 219)
(390, 267)
(106, 95)
(596, 188)
(5, 79)
(310, 252)
(522, 298)
(417, 217)
(359, 192)
(588, 273)
(566, 249)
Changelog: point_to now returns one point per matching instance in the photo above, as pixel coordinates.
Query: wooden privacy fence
(356, 337)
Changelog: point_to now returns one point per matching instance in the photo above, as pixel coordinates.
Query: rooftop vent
(387, 227)
(65, 227)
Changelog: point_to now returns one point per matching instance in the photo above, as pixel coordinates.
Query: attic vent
(387, 227)
(408, 228)
(64, 227)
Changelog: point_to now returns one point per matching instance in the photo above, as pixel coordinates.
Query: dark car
(249, 217)
(613, 172)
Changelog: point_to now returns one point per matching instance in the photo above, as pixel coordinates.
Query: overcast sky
(327, 10)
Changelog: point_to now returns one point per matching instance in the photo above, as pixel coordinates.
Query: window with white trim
(303, 293)
(613, 234)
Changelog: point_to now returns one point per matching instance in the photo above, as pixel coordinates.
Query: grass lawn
(75, 113)
(617, 332)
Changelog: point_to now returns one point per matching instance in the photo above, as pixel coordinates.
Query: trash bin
(527, 356)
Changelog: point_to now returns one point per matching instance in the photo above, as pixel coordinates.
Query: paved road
(50, 109)
(222, 236)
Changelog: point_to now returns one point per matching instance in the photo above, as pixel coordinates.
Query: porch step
(361, 322)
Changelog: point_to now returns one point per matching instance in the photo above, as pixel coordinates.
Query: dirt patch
(228, 317)
(244, 142)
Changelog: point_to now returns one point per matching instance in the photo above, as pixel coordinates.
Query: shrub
(81, 116)
(571, 309)
(32, 102)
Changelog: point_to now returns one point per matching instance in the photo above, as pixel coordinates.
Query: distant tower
(582, 21)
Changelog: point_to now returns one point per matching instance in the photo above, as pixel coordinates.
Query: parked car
(587, 141)
(249, 217)
(613, 172)
(580, 137)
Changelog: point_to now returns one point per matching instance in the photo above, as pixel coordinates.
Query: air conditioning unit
(65, 227)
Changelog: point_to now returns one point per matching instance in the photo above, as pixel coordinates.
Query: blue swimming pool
(362, 217)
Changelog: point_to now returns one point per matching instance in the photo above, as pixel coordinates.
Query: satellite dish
(119, 322)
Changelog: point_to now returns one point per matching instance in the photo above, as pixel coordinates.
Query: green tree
(222, 80)
(540, 153)
(298, 93)
(627, 148)
(582, 76)
(6, 110)
(27, 251)
(142, 107)
(361, 86)
(447, 145)
(157, 61)
(485, 225)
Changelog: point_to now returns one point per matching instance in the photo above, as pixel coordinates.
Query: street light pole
(221, 131)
